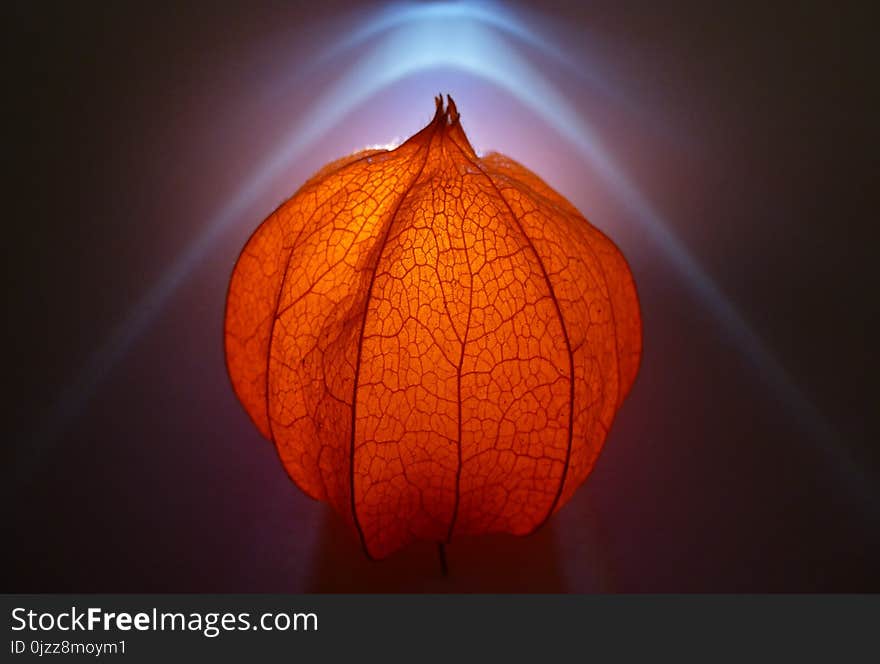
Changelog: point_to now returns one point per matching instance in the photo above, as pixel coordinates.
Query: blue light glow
(485, 41)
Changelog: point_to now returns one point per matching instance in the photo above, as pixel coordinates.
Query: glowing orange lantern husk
(436, 342)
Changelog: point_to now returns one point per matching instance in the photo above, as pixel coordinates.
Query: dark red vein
(360, 345)
(561, 322)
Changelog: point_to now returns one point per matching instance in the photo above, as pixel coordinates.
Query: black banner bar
(150, 628)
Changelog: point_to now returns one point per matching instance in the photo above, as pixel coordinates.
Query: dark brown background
(130, 466)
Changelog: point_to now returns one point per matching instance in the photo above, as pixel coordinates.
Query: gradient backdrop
(722, 146)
